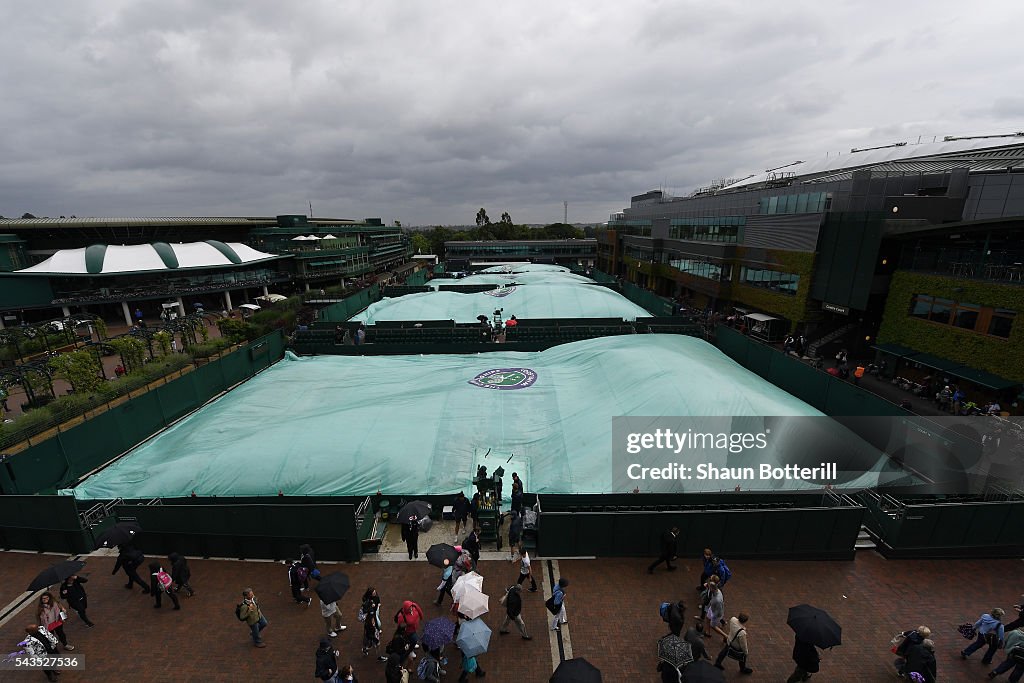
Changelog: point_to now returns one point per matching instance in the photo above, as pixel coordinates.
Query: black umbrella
(413, 512)
(702, 672)
(119, 534)
(577, 670)
(439, 552)
(51, 576)
(814, 626)
(332, 587)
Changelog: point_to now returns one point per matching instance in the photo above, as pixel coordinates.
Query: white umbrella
(470, 580)
(473, 603)
(328, 237)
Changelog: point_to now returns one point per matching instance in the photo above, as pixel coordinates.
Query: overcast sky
(426, 111)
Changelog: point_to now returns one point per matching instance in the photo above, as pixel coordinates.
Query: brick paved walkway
(612, 607)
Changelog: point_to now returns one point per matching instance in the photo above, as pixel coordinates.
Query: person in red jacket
(409, 618)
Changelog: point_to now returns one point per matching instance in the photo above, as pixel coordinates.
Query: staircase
(812, 348)
(864, 540)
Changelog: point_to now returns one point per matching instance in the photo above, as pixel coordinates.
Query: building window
(699, 268)
(714, 229)
(995, 322)
(807, 202)
(784, 283)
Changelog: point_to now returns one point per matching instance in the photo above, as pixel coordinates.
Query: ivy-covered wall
(1002, 357)
(793, 308)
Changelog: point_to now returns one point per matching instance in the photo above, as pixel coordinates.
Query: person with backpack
(297, 574)
(921, 661)
(326, 662)
(180, 573)
(249, 611)
(673, 614)
(308, 560)
(369, 614)
(129, 558)
(399, 646)
(1014, 645)
(513, 601)
(736, 643)
(668, 550)
(471, 544)
(160, 583)
(408, 619)
(429, 668)
(714, 566)
(394, 670)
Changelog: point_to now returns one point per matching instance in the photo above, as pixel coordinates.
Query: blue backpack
(663, 610)
(723, 572)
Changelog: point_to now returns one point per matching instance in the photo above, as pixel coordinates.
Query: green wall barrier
(797, 533)
(245, 531)
(655, 304)
(42, 523)
(417, 278)
(346, 308)
(60, 461)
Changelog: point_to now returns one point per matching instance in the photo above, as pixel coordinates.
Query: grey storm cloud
(425, 112)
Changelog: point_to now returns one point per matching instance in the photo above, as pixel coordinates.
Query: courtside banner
(934, 455)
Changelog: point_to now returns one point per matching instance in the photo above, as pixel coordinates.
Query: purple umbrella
(438, 632)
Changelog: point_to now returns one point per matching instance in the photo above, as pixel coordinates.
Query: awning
(934, 362)
(272, 298)
(984, 379)
(895, 350)
(250, 307)
(760, 317)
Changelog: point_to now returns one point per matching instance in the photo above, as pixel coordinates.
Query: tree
(163, 340)
(481, 218)
(27, 215)
(236, 331)
(132, 350)
(506, 219)
(80, 369)
(561, 231)
(420, 243)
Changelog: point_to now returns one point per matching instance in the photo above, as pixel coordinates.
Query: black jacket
(514, 602)
(676, 618)
(696, 641)
(471, 544)
(921, 660)
(806, 656)
(129, 559)
(411, 532)
(461, 507)
(326, 663)
(668, 545)
(180, 572)
(74, 594)
(515, 528)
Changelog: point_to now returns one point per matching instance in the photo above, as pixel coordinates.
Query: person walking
(447, 581)
(160, 583)
(668, 550)
(52, 615)
(394, 670)
(515, 534)
(1019, 621)
(712, 607)
(347, 674)
(308, 561)
(429, 669)
(408, 619)
(513, 601)
(909, 639)
(411, 536)
(806, 657)
(180, 573)
(470, 665)
(72, 592)
(517, 492)
(326, 662)
(677, 618)
(296, 575)
(472, 544)
(1014, 646)
(130, 559)
(249, 611)
(736, 643)
(990, 634)
(460, 509)
(558, 604)
(332, 618)
(920, 660)
(369, 614)
(695, 638)
(525, 570)
(40, 644)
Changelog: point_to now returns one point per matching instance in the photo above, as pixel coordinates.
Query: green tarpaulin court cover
(333, 425)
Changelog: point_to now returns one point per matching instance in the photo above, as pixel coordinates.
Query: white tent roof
(144, 257)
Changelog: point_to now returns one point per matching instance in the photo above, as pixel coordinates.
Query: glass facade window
(701, 268)
(712, 229)
(995, 322)
(807, 202)
(784, 283)
(634, 227)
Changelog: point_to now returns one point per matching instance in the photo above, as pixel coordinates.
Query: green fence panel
(759, 359)
(732, 343)
(42, 523)
(177, 399)
(208, 381)
(137, 420)
(799, 379)
(987, 525)
(234, 368)
(39, 468)
(95, 442)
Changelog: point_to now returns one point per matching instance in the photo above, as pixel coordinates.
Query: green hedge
(1002, 357)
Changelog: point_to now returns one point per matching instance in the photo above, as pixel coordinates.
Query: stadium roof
(101, 259)
(993, 153)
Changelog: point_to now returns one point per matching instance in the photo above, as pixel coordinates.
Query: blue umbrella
(474, 637)
(438, 632)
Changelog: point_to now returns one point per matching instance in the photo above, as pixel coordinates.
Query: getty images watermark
(927, 455)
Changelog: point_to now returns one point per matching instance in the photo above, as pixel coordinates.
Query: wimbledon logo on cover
(505, 378)
(504, 291)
